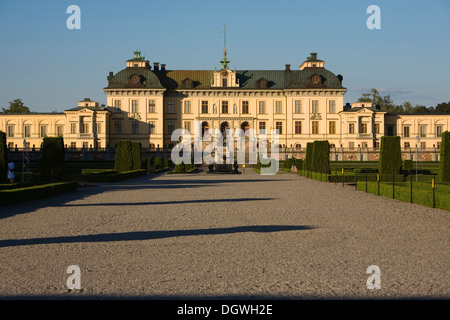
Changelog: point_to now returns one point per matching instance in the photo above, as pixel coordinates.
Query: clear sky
(51, 67)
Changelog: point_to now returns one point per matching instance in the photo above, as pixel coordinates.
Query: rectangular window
(262, 127)
(151, 127)
(224, 82)
(351, 128)
(85, 145)
(315, 127)
(135, 127)
(423, 131)
(423, 145)
(315, 106)
(204, 106)
(171, 106)
(73, 145)
(363, 128)
(27, 131)
(351, 145)
(44, 131)
(85, 128)
(170, 127)
(406, 132)
(117, 104)
(332, 106)
(332, 127)
(187, 107)
(438, 131)
(10, 145)
(406, 145)
(244, 106)
(151, 106)
(60, 131)
(224, 106)
(377, 144)
(377, 127)
(278, 107)
(364, 144)
(99, 128)
(187, 126)
(262, 107)
(298, 127)
(279, 127)
(73, 128)
(10, 131)
(134, 106)
(298, 106)
(390, 131)
(118, 127)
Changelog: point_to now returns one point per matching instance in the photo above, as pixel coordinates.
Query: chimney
(288, 67)
(111, 73)
(163, 67)
(313, 56)
(156, 66)
(340, 77)
(347, 106)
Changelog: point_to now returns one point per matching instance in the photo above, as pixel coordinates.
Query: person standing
(11, 171)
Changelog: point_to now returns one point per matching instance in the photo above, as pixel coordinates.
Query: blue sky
(51, 67)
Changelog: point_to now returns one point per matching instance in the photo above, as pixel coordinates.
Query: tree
(53, 157)
(444, 157)
(16, 106)
(3, 156)
(390, 155)
(443, 107)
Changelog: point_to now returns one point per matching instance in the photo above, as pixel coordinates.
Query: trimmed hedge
(299, 164)
(407, 165)
(112, 176)
(159, 164)
(124, 156)
(444, 157)
(136, 154)
(390, 155)
(3, 157)
(35, 192)
(288, 163)
(321, 156)
(307, 164)
(52, 160)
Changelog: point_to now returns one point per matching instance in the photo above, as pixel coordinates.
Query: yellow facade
(145, 104)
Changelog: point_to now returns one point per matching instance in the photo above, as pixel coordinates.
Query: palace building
(146, 103)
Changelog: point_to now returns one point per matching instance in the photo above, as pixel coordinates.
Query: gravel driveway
(223, 236)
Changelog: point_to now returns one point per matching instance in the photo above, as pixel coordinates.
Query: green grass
(422, 192)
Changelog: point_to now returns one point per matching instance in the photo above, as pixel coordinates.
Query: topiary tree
(136, 155)
(159, 163)
(390, 155)
(444, 157)
(307, 164)
(3, 156)
(321, 156)
(288, 163)
(124, 156)
(53, 158)
(299, 164)
(180, 168)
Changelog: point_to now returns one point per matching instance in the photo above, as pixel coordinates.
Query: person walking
(11, 171)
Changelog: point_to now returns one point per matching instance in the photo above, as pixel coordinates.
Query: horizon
(50, 67)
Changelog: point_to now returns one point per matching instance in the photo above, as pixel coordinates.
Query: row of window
(84, 128)
(422, 131)
(226, 108)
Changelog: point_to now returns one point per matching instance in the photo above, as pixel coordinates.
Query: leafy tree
(16, 106)
(443, 107)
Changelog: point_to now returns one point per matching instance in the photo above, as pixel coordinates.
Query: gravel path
(223, 236)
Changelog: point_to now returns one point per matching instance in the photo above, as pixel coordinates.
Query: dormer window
(262, 84)
(188, 83)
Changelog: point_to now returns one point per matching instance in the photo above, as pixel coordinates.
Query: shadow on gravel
(139, 183)
(149, 235)
(162, 202)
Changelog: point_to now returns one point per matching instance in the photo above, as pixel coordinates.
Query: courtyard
(223, 236)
